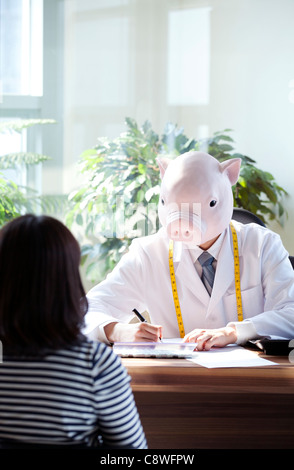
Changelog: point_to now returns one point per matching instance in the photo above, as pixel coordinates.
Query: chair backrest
(246, 217)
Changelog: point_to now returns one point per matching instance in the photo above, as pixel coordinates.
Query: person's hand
(130, 332)
(206, 339)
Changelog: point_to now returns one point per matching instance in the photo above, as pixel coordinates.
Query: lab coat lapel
(224, 274)
(186, 274)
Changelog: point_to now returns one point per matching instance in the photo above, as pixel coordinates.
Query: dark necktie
(206, 260)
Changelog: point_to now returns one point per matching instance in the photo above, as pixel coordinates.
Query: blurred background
(204, 65)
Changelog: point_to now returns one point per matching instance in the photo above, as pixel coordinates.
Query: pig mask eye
(213, 203)
(162, 202)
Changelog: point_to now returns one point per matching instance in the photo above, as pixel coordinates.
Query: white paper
(230, 356)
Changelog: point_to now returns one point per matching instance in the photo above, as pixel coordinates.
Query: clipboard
(161, 350)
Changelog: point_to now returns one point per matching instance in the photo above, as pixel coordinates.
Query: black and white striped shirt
(70, 396)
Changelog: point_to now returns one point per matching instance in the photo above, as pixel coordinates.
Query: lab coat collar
(185, 269)
(213, 250)
(224, 274)
(180, 248)
(186, 273)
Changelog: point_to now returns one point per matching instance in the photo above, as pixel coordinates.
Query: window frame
(47, 140)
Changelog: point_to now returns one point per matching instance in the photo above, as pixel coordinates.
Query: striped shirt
(78, 395)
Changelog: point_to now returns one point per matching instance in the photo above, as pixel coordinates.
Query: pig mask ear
(232, 169)
(163, 163)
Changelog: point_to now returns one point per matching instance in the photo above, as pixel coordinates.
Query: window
(188, 38)
(21, 42)
(21, 82)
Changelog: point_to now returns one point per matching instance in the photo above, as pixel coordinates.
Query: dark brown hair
(42, 299)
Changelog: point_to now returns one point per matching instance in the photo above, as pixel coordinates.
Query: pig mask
(196, 200)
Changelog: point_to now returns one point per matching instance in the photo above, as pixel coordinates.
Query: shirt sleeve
(118, 419)
(278, 287)
(245, 331)
(277, 318)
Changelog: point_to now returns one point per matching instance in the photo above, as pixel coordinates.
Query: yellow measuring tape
(174, 289)
(237, 281)
(237, 273)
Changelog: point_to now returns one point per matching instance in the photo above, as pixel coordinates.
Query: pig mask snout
(184, 226)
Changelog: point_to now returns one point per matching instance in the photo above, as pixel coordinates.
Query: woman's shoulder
(104, 362)
(89, 347)
(95, 352)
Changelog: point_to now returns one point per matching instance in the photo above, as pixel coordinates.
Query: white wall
(251, 73)
(118, 62)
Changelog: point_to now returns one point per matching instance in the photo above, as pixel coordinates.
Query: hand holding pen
(143, 320)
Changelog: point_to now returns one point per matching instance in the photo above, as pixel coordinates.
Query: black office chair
(246, 217)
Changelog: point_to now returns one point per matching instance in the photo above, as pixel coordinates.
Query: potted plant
(118, 200)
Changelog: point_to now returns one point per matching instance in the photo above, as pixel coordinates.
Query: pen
(140, 317)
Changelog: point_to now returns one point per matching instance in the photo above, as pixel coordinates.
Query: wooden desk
(186, 406)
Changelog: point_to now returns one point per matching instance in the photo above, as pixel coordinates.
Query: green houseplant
(119, 198)
(16, 199)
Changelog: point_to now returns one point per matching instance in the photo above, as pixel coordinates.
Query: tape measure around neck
(237, 273)
(174, 289)
(237, 282)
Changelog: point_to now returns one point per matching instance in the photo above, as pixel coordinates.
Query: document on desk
(230, 356)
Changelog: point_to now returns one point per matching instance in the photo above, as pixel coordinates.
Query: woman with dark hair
(56, 386)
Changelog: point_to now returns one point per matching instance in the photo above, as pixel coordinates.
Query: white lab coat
(141, 280)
